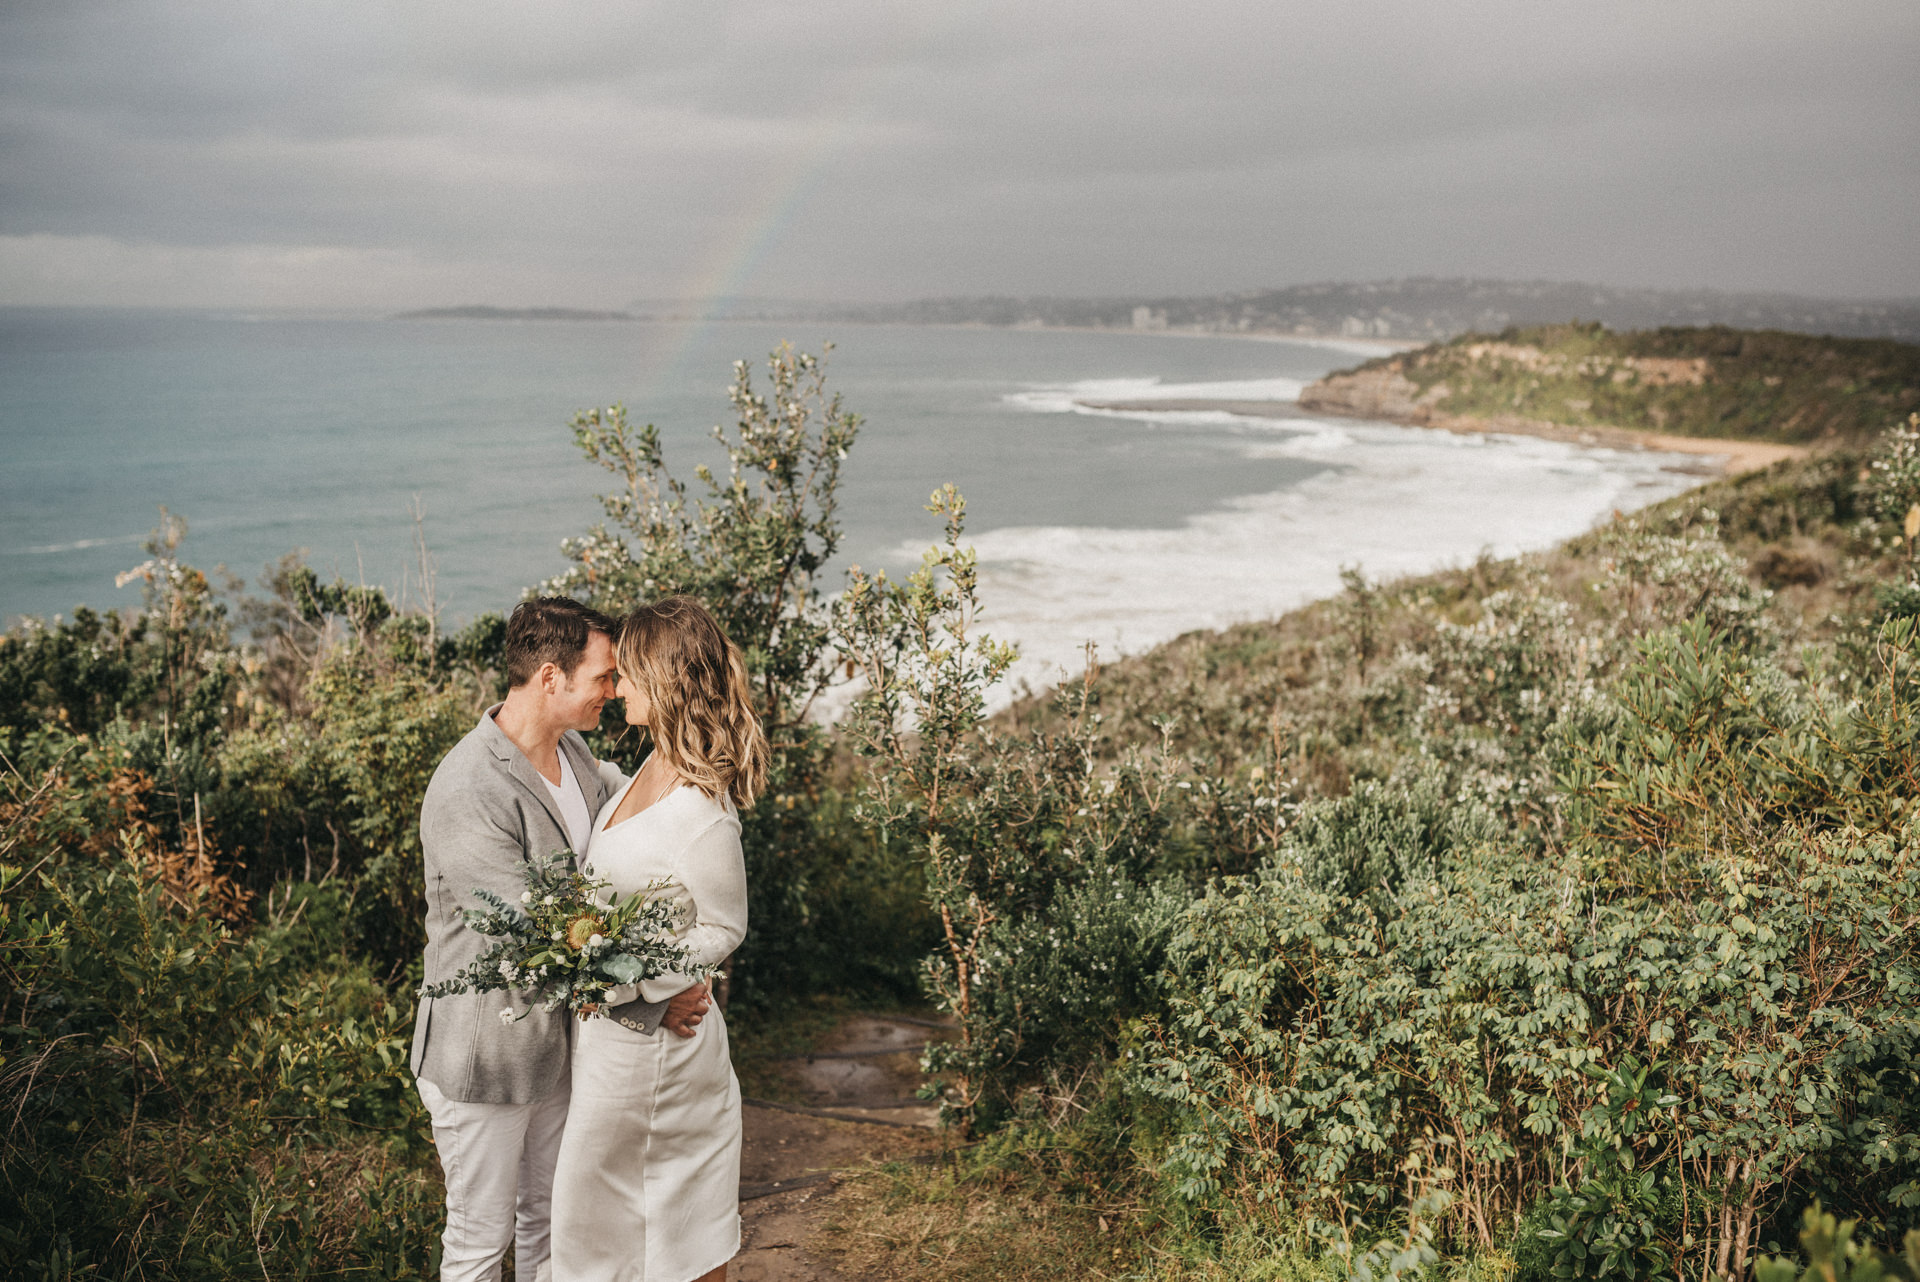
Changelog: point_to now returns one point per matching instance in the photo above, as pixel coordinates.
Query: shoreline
(1738, 457)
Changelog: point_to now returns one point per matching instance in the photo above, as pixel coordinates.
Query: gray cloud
(589, 153)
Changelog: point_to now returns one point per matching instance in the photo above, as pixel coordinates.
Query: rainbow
(744, 243)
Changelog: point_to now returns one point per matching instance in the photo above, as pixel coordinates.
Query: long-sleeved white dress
(647, 1188)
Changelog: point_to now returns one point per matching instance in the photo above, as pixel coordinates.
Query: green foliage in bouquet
(567, 942)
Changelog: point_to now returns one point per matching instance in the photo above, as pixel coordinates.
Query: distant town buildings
(1415, 309)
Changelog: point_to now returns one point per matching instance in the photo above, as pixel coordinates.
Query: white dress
(647, 1187)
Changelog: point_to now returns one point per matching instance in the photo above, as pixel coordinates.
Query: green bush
(1310, 1041)
(1046, 870)
(1834, 1254)
(188, 1101)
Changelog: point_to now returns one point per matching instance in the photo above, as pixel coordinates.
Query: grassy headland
(1717, 383)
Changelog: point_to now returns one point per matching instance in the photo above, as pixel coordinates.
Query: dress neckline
(647, 809)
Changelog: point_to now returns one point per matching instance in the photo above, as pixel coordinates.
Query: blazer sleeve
(714, 871)
(469, 845)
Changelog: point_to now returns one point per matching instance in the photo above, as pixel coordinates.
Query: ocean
(273, 434)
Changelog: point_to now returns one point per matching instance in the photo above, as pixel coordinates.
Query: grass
(1016, 1216)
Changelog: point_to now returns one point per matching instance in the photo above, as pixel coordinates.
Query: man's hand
(685, 1010)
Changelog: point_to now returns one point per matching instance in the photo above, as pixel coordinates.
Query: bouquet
(566, 945)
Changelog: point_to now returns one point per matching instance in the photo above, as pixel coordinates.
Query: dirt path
(856, 1106)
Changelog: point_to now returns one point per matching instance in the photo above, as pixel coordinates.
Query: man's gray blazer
(486, 813)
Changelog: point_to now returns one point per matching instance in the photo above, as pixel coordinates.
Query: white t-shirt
(573, 806)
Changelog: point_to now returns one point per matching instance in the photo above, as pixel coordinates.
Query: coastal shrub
(1491, 691)
(184, 1099)
(1817, 498)
(1618, 1220)
(1654, 580)
(1893, 480)
(1309, 1042)
(1698, 750)
(1042, 864)
(380, 741)
(1367, 846)
(81, 674)
(157, 681)
(752, 546)
(305, 622)
(1716, 917)
(231, 764)
(1834, 1254)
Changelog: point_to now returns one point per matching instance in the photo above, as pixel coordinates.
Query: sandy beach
(1737, 456)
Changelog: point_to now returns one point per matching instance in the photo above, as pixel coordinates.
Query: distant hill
(1713, 381)
(731, 308)
(480, 311)
(1418, 308)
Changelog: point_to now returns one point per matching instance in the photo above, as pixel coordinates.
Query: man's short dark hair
(550, 629)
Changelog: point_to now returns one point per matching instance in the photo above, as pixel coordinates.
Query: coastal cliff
(1711, 386)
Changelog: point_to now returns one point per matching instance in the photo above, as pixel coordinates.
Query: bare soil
(850, 1104)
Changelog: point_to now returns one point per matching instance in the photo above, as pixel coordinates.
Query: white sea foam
(1359, 346)
(1067, 398)
(1394, 501)
(78, 545)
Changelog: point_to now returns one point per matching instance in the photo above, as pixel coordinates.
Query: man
(521, 785)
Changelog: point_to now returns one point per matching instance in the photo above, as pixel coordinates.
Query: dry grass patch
(910, 1223)
(915, 1224)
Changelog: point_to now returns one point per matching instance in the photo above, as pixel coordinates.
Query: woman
(648, 1180)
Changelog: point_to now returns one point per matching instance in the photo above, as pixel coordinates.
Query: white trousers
(498, 1162)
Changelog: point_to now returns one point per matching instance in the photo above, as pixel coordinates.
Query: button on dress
(647, 1187)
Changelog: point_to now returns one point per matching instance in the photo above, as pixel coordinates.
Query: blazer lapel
(525, 775)
(530, 779)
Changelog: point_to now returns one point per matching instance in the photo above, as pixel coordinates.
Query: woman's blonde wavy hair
(702, 717)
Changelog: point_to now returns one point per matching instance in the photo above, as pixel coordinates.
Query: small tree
(927, 673)
(751, 548)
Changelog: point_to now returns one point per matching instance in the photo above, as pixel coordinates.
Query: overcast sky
(295, 153)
